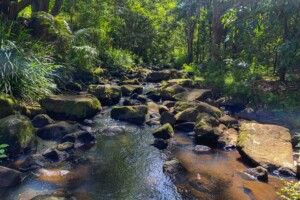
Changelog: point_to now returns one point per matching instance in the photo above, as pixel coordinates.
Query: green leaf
(2, 146)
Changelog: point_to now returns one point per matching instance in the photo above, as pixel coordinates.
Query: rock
(164, 132)
(182, 82)
(134, 114)
(167, 117)
(153, 109)
(233, 104)
(18, 132)
(49, 197)
(258, 173)
(188, 115)
(228, 120)
(157, 76)
(206, 108)
(88, 122)
(153, 122)
(228, 139)
(298, 170)
(187, 126)
(169, 104)
(130, 102)
(160, 144)
(57, 131)
(199, 149)
(56, 155)
(154, 97)
(107, 94)
(7, 106)
(65, 146)
(32, 110)
(73, 86)
(248, 114)
(128, 90)
(41, 121)
(73, 107)
(81, 136)
(33, 161)
(193, 95)
(9, 177)
(163, 109)
(182, 105)
(134, 81)
(142, 98)
(266, 145)
(204, 128)
(168, 93)
(172, 167)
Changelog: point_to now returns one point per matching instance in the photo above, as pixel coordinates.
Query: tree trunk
(217, 30)
(56, 8)
(40, 5)
(190, 45)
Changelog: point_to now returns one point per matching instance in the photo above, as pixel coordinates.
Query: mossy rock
(107, 94)
(205, 129)
(32, 110)
(157, 76)
(164, 132)
(134, 114)
(7, 106)
(168, 93)
(72, 107)
(128, 90)
(18, 132)
(188, 115)
(193, 95)
(73, 86)
(134, 81)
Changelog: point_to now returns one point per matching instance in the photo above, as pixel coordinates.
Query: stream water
(126, 166)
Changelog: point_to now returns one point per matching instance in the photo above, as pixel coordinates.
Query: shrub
(290, 191)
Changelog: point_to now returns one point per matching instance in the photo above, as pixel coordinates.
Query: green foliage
(3, 148)
(117, 59)
(290, 191)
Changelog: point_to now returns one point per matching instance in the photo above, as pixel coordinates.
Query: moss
(17, 131)
(134, 114)
(7, 106)
(164, 132)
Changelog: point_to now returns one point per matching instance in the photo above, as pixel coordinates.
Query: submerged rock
(187, 126)
(173, 167)
(18, 132)
(33, 161)
(202, 149)
(73, 107)
(164, 132)
(7, 106)
(9, 177)
(134, 114)
(266, 145)
(57, 131)
(107, 94)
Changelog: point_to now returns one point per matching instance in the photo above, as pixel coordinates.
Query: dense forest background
(228, 44)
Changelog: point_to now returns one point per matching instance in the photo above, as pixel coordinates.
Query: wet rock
(266, 145)
(164, 132)
(204, 128)
(258, 173)
(42, 120)
(142, 98)
(228, 139)
(154, 97)
(107, 94)
(134, 81)
(182, 82)
(233, 104)
(88, 122)
(57, 131)
(130, 102)
(168, 93)
(187, 126)
(134, 114)
(65, 146)
(286, 172)
(81, 136)
(7, 106)
(33, 162)
(114, 130)
(206, 108)
(248, 114)
(128, 90)
(163, 109)
(193, 95)
(298, 170)
(73, 107)
(18, 132)
(167, 117)
(228, 120)
(160, 144)
(49, 197)
(32, 110)
(153, 122)
(157, 76)
(188, 115)
(296, 138)
(153, 109)
(9, 177)
(56, 155)
(173, 167)
(202, 149)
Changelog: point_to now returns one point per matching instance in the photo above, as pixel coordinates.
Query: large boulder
(57, 131)
(167, 93)
(164, 132)
(188, 115)
(7, 106)
(205, 129)
(157, 76)
(73, 107)
(266, 145)
(42, 120)
(18, 132)
(134, 114)
(128, 90)
(202, 107)
(194, 95)
(107, 94)
(9, 177)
